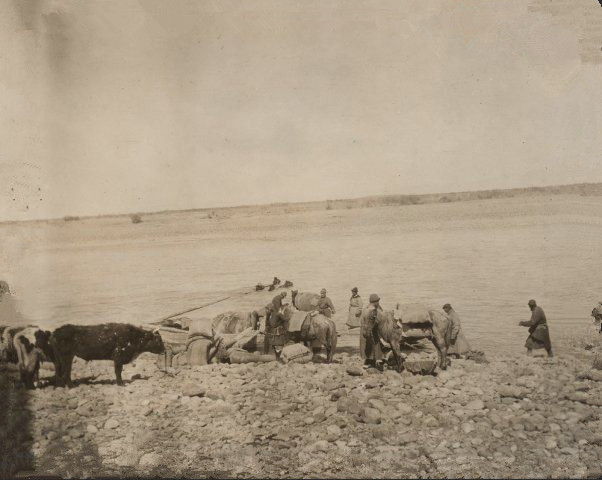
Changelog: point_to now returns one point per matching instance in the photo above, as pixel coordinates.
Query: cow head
(153, 342)
(43, 343)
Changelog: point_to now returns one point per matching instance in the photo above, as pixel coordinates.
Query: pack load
(421, 356)
(414, 320)
(296, 353)
(307, 301)
(296, 321)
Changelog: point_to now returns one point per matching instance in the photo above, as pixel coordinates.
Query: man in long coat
(456, 342)
(272, 309)
(539, 335)
(370, 349)
(355, 308)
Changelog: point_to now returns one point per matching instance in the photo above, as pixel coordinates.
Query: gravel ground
(512, 417)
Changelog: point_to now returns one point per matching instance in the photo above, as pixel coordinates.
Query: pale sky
(124, 106)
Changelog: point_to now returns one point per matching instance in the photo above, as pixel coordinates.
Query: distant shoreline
(581, 189)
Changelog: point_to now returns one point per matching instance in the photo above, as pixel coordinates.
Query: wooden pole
(198, 308)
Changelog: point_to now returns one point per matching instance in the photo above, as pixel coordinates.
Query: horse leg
(441, 347)
(397, 355)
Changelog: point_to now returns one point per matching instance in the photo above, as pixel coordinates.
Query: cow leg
(118, 370)
(66, 361)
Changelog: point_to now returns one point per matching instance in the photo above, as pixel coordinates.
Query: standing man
(539, 335)
(369, 339)
(325, 306)
(355, 309)
(275, 334)
(456, 342)
(272, 309)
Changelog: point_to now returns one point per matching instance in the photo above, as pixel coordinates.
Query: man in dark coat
(275, 335)
(539, 335)
(370, 349)
(325, 306)
(272, 309)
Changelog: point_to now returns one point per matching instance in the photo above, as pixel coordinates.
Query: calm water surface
(485, 258)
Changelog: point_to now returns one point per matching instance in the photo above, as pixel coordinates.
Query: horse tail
(332, 339)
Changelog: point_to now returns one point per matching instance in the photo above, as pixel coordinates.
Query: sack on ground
(242, 356)
(296, 353)
(198, 351)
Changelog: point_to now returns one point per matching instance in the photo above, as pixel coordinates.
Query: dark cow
(119, 342)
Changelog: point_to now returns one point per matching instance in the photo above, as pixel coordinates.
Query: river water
(487, 258)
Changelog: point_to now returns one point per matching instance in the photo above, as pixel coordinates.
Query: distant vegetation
(581, 189)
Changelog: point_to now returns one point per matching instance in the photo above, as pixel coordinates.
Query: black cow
(119, 342)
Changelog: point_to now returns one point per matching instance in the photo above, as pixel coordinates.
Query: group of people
(370, 346)
(275, 328)
(539, 335)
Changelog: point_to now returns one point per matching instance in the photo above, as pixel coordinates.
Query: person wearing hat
(457, 344)
(539, 335)
(355, 309)
(272, 309)
(325, 306)
(370, 349)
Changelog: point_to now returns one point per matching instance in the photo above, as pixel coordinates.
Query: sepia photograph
(300, 239)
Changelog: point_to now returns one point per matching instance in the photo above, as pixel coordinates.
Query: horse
(389, 330)
(324, 331)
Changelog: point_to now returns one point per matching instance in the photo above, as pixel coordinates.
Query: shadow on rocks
(15, 426)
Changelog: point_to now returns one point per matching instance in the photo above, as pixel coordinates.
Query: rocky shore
(512, 417)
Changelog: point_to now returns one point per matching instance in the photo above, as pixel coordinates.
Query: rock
(341, 392)
(355, 371)
(111, 423)
(76, 433)
(497, 433)
(91, 429)
(193, 390)
(594, 375)
(377, 403)
(597, 365)
(150, 460)
(319, 446)
(334, 431)
(467, 428)
(371, 415)
(510, 391)
(475, 405)
(348, 405)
